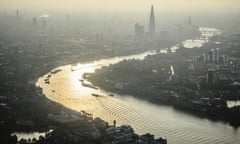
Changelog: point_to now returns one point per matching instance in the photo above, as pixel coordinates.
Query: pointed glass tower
(151, 26)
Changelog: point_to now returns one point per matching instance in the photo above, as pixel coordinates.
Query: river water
(162, 121)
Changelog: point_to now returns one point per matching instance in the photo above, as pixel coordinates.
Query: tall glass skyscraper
(151, 27)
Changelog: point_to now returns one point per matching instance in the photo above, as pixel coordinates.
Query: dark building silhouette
(151, 26)
(34, 21)
(213, 55)
(114, 123)
(217, 55)
(212, 76)
(139, 31)
(17, 13)
(149, 139)
(190, 21)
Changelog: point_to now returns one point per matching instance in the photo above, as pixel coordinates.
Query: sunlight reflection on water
(164, 121)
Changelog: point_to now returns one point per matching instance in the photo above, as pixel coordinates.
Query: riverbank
(143, 116)
(164, 96)
(188, 88)
(25, 109)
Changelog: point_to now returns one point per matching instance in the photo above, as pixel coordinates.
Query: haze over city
(120, 71)
(120, 6)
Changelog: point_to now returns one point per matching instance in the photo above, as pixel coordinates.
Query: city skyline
(120, 71)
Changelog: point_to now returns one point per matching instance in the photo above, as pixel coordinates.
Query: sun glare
(77, 74)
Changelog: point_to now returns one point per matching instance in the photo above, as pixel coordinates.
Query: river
(163, 121)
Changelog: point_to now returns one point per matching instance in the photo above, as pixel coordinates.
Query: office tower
(151, 27)
(213, 55)
(139, 31)
(212, 76)
(190, 21)
(34, 21)
(209, 56)
(204, 57)
(217, 54)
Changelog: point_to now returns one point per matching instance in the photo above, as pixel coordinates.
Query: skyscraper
(211, 77)
(213, 55)
(151, 27)
(217, 55)
(34, 21)
(190, 21)
(139, 31)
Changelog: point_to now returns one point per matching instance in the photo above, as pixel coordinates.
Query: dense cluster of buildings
(125, 134)
(149, 139)
(28, 49)
(202, 80)
(212, 56)
(155, 39)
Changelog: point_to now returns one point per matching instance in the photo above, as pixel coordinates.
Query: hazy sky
(120, 5)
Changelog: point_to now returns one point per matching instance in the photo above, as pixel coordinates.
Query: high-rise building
(213, 57)
(212, 76)
(34, 21)
(190, 21)
(151, 27)
(204, 57)
(139, 31)
(217, 54)
(209, 56)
